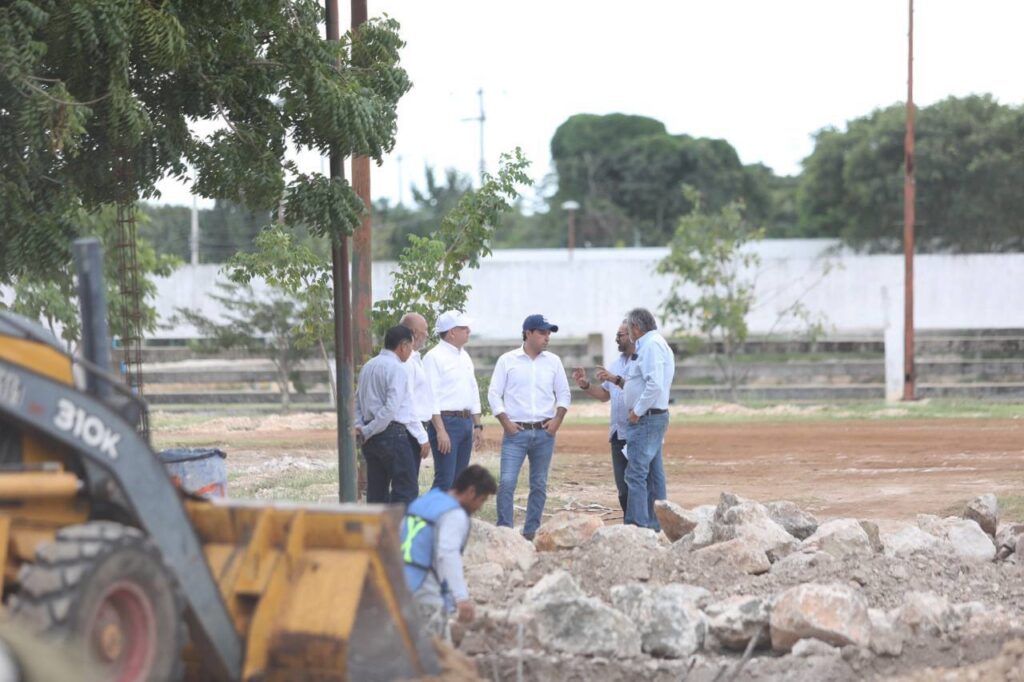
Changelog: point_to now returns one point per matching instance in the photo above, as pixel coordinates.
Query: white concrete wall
(592, 291)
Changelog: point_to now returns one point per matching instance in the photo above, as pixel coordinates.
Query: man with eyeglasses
(609, 390)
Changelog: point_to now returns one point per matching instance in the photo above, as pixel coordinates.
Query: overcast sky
(764, 75)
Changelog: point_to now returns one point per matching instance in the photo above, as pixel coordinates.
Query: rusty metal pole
(347, 491)
(909, 373)
(362, 240)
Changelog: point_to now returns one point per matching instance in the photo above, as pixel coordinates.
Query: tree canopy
(969, 167)
(98, 101)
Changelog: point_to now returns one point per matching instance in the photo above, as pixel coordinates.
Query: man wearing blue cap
(529, 395)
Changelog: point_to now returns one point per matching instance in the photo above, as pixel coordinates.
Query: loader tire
(103, 587)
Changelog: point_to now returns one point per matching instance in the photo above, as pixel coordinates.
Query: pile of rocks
(762, 587)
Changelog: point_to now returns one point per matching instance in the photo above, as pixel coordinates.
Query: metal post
(92, 300)
(483, 164)
(342, 325)
(909, 373)
(572, 232)
(362, 240)
(194, 232)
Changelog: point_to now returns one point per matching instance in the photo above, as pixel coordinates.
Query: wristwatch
(478, 426)
(620, 382)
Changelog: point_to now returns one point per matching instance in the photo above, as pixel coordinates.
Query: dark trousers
(619, 463)
(414, 449)
(448, 467)
(389, 472)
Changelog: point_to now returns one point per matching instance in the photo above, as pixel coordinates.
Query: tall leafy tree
(969, 167)
(97, 98)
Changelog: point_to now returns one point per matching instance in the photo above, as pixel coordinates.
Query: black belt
(456, 413)
(530, 426)
(654, 410)
(426, 424)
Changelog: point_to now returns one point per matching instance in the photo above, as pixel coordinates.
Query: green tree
(269, 326)
(98, 98)
(712, 290)
(969, 164)
(428, 277)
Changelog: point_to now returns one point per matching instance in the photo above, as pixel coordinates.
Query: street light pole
(909, 373)
(571, 207)
(347, 491)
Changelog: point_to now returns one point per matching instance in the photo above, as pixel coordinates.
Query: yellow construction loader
(100, 550)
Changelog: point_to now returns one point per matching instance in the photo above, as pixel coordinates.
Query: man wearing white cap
(529, 395)
(452, 380)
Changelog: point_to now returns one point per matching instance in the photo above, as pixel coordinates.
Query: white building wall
(591, 292)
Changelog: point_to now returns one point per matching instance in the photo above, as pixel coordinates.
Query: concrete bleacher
(950, 364)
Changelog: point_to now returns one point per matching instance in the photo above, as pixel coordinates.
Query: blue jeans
(389, 473)
(537, 446)
(645, 472)
(619, 463)
(448, 467)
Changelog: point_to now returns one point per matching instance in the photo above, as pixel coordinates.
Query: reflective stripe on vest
(418, 536)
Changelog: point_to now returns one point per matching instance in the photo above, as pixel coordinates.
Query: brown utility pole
(909, 373)
(347, 491)
(362, 240)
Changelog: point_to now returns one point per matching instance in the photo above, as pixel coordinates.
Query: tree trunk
(330, 373)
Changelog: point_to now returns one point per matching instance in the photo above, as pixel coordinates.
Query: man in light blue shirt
(646, 388)
(610, 390)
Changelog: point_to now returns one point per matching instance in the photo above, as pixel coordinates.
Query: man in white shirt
(609, 390)
(381, 392)
(529, 394)
(646, 388)
(452, 380)
(418, 412)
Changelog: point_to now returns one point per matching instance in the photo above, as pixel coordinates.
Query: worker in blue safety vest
(434, 533)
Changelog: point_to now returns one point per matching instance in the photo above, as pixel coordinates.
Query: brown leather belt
(534, 426)
(456, 413)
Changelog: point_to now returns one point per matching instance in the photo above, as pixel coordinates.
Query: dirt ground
(883, 469)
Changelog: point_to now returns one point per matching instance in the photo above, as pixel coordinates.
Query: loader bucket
(316, 593)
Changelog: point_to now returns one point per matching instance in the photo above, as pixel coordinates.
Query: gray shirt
(452, 532)
(382, 388)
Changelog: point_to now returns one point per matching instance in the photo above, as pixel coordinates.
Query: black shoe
(529, 536)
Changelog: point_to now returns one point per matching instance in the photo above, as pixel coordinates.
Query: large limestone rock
(502, 546)
(675, 521)
(909, 540)
(557, 585)
(751, 522)
(794, 520)
(566, 530)
(984, 510)
(925, 612)
(732, 623)
(583, 626)
(835, 614)
(1006, 539)
(840, 538)
(738, 554)
(670, 624)
(969, 541)
(886, 633)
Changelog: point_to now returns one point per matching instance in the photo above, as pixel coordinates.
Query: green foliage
(628, 171)
(969, 166)
(270, 327)
(712, 289)
(428, 277)
(98, 97)
(52, 297)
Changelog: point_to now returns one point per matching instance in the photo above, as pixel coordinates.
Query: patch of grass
(285, 486)
(1011, 508)
(765, 411)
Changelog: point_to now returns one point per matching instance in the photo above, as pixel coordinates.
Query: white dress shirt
(420, 405)
(407, 409)
(528, 389)
(452, 378)
(649, 377)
